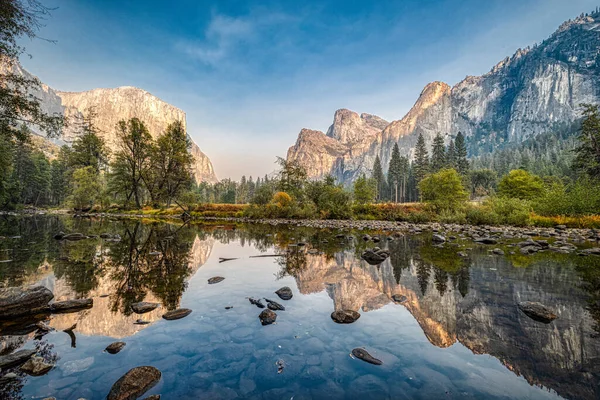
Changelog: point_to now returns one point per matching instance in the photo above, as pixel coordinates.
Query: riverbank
(559, 231)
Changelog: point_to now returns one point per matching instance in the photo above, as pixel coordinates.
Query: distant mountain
(112, 105)
(536, 90)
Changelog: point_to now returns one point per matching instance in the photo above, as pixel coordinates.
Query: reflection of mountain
(102, 319)
(562, 355)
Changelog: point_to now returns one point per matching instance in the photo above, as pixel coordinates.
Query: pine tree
(460, 148)
(451, 155)
(588, 152)
(379, 178)
(421, 162)
(394, 174)
(438, 154)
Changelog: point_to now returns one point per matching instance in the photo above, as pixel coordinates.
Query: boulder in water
(16, 358)
(17, 301)
(285, 293)
(177, 314)
(537, 311)
(143, 307)
(275, 306)
(215, 279)
(71, 305)
(134, 383)
(364, 355)
(267, 317)
(36, 366)
(115, 347)
(345, 316)
(375, 256)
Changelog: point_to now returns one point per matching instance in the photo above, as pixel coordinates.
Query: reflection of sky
(251, 74)
(222, 352)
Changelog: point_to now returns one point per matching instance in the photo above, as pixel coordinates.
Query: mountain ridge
(523, 95)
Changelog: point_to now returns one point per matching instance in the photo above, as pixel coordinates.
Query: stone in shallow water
(36, 366)
(275, 306)
(115, 347)
(375, 256)
(267, 317)
(16, 358)
(256, 302)
(398, 298)
(364, 355)
(16, 301)
(143, 307)
(345, 316)
(177, 314)
(71, 305)
(285, 293)
(215, 279)
(134, 383)
(76, 366)
(537, 311)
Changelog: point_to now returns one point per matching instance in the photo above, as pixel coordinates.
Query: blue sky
(251, 74)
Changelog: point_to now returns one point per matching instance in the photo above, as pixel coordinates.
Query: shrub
(520, 184)
(444, 190)
(281, 199)
(577, 199)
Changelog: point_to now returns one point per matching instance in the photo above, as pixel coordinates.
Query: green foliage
(500, 211)
(438, 154)
(444, 190)
(460, 154)
(397, 176)
(292, 177)
(588, 151)
(483, 182)
(89, 150)
(365, 190)
(87, 188)
(330, 200)
(421, 161)
(520, 184)
(579, 198)
(380, 179)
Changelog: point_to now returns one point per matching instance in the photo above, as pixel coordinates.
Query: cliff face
(111, 106)
(532, 92)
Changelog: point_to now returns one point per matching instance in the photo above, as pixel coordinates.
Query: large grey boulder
(16, 301)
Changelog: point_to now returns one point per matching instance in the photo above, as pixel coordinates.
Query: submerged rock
(143, 307)
(36, 366)
(486, 240)
(71, 305)
(115, 347)
(398, 298)
(285, 293)
(141, 322)
(267, 317)
(345, 316)
(177, 314)
(537, 311)
(16, 358)
(364, 355)
(273, 305)
(256, 302)
(215, 279)
(134, 383)
(16, 301)
(375, 256)
(436, 238)
(74, 236)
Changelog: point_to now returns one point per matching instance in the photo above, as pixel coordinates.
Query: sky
(251, 74)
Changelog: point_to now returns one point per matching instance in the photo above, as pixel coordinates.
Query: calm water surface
(459, 335)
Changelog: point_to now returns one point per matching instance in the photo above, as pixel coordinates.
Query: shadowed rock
(143, 307)
(177, 314)
(16, 358)
(74, 236)
(134, 383)
(537, 311)
(16, 301)
(256, 302)
(275, 306)
(345, 316)
(285, 293)
(364, 355)
(398, 298)
(267, 317)
(375, 256)
(115, 347)
(215, 279)
(71, 305)
(486, 240)
(36, 366)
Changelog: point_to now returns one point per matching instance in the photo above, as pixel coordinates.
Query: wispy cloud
(224, 34)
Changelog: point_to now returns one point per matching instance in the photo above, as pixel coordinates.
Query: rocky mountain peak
(348, 126)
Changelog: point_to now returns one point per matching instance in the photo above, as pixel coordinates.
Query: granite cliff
(534, 91)
(111, 106)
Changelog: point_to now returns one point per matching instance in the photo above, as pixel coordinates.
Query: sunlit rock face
(111, 106)
(535, 91)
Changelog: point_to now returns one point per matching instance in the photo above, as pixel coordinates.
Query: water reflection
(454, 299)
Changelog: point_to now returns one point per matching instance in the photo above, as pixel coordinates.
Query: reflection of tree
(587, 268)
(440, 278)
(400, 256)
(423, 270)
(80, 264)
(150, 258)
(462, 279)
